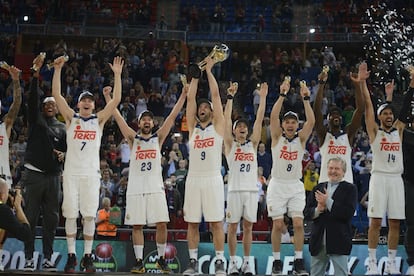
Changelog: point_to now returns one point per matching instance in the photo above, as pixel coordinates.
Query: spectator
(107, 185)
(104, 228)
(174, 203)
(20, 147)
(264, 160)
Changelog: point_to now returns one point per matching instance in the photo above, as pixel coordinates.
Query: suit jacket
(336, 223)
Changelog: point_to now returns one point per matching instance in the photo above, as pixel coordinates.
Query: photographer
(13, 222)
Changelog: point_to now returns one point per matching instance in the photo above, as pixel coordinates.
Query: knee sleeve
(89, 226)
(70, 226)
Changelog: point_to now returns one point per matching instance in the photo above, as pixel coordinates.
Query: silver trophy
(219, 53)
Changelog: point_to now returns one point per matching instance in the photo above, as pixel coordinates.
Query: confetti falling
(391, 38)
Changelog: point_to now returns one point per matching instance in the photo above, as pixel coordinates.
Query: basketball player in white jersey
(240, 151)
(204, 188)
(6, 124)
(81, 175)
(285, 192)
(386, 187)
(145, 200)
(333, 141)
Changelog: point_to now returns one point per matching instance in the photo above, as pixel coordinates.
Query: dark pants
(409, 234)
(42, 194)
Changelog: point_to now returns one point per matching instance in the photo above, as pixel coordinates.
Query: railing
(141, 32)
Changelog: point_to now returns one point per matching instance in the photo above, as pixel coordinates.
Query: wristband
(321, 81)
(306, 98)
(229, 97)
(388, 102)
(282, 95)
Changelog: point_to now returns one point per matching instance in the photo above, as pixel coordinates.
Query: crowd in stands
(344, 16)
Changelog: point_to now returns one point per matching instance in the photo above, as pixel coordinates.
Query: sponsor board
(116, 255)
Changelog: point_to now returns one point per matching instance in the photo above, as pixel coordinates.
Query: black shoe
(71, 263)
(277, 268)
(139, 268)
(163, 266)
(299, 268)
(87, 264)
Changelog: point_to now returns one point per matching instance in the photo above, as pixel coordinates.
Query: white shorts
(285, 197)
(80, 193)
(241, 204)
(204, 195)
(386, 196)
(146, 209)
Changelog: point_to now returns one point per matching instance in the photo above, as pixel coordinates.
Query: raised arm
(275, 128)
(191, 110)
(356, 120)
(228, 109)
(110, 106)
(17, 99)
(33, 99)
(405, 111)
(164, 130)
(257, 126)
(218, 117)
(61, 103)
(370, 123)
(310, 117)
(317, 107)
(126, 131)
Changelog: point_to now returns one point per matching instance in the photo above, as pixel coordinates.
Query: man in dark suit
(331, 206)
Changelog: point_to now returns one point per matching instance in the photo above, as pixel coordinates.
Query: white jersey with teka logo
(336, 146)
(242, 163)
(205, 151)
(287, 157)
(145, 173)
(83, 138)
(4, 154)
(387, 152)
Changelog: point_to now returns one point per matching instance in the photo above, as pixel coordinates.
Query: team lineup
(212, 133)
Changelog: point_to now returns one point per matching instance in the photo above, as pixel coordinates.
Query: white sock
(193, 253)
(71, 245)
(138, 250)
(220, 255)
(88, 246)
(276, 255)
(161, 249)
(298, 255)
(391, 254)
(233, 259)
(372, 253)
(246, 259)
